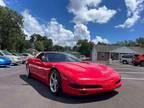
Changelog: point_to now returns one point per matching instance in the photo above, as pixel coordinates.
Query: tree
(85, 47)
(131, 43)
(11, 33)
(46, 44)
(140, 41)
(39, 45)
(58, 48)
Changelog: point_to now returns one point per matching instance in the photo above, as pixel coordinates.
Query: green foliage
(45, 43)
(11, 33)
(58, 48)
(138, 42)
(13, 51)
(39, 46)
(84, 47)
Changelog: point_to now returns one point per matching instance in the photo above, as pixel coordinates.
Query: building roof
(119, 49)
(124, 50)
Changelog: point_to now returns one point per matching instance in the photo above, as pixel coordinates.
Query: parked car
(82, 57)
(64, 72)
(4, 61)
(25, 56)
(138, 60)
(126, 59)
(15, 59)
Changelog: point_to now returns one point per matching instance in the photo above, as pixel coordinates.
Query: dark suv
(139, 60)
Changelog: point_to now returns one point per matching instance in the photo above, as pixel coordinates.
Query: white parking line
(137, 79)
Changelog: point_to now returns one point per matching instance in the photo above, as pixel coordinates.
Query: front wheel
(125, 62)
(55, 82)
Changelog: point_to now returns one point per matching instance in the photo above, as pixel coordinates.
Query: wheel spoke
(52, 78)
(55, 87)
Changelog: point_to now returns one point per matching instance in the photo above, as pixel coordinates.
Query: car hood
(4, 58)
(12, 56)
(86, 70)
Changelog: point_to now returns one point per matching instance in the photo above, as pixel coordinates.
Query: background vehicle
(65, 72)
(25, 56)
(4, 61)
(15, 59)
(83, 57)
(139, 60)
(126, 59)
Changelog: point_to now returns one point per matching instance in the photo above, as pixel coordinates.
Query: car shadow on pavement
(4, 67)
(44, 91)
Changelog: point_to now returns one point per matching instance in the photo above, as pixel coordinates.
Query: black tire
(142, 63)
(28, 73)
(135, 64)
(124, 62)
(58, 90)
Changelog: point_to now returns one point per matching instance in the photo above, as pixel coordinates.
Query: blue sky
(96, 20)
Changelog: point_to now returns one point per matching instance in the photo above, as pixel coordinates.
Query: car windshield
(61, 57)
(7, 53)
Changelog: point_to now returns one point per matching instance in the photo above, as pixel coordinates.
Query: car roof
(53, 52)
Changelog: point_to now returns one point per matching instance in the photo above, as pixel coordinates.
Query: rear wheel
(28, 73)
(55, 82)
(142, 63)
(125, 62)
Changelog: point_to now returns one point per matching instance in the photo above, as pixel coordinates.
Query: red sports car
(64, 72)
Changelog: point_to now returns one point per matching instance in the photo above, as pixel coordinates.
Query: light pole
(94, 54)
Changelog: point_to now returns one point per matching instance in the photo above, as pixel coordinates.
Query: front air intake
(84, 86)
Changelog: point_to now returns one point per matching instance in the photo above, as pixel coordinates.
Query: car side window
(40, 56)
(24, 54)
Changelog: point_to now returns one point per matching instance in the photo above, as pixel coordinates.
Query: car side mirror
(44, 59)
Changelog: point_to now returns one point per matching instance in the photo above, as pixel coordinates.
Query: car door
(37, 65)
(45, 67)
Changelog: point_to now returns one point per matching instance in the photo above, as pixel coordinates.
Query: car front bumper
(5, 64)
(106, 87)
(16, 62)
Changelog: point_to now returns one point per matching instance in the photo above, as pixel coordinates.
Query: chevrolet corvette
(64, 72)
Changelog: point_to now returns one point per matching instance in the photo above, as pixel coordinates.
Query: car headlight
(1, 60)
(15, 59)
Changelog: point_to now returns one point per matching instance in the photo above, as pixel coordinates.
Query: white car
(25, 56)
(15, 59)
(126, 59)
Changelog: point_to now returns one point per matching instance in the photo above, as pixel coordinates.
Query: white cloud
(59, 34)
(54, 30)
(31, 25)
(2, 3)
(134, 8)
(100, 39)
(81, 32)
(89, 11)
(129, 22)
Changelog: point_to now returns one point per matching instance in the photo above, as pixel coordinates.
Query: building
(106, 52)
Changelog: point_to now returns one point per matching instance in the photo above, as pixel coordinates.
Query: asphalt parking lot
(16, 91)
